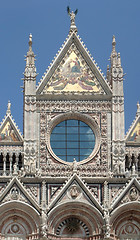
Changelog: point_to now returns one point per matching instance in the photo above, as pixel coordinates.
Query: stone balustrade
(10, 163)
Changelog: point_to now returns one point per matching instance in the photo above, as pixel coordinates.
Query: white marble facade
(73, 174)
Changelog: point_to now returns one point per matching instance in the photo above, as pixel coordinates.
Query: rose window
(72, 139)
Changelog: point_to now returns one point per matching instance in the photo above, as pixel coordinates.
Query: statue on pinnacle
(72, 18)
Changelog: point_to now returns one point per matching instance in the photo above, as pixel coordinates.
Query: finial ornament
(113, 53)
(8, 108)
(113, 43)
(30, 69)
(30, 41)
(72, 18)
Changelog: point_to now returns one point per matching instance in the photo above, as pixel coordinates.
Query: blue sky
(47, 20)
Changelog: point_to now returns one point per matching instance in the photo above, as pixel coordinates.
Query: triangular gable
(16, 191)
(133, 135)
(74, 71)
(9, 133)
(130, 193)
(75, 190)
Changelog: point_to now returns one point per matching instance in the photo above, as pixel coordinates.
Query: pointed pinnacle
(30, 55)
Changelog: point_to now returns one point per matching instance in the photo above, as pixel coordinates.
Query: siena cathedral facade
(73, 174)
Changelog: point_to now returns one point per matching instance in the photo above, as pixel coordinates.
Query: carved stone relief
(115, 190)
(133, 194)
(34, 191)
(50, 109)
(74, 192)
(15, 193)
(81, 106)
(53, 190)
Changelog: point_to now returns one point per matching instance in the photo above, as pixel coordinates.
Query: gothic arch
(125, 221)
(87, 218)
(18, 219)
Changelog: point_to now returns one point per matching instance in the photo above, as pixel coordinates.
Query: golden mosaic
(135, 135)
(8, 134)
(73, 75)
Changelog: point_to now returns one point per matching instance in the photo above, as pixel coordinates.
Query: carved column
(129, 160)
(43, 200)
(44, 225)
(10, 160)
(105, 194)
(136, 161)
(4, 164)
(17, 159)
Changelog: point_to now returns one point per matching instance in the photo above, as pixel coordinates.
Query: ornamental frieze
(81, 106)
(43, 118)
(103, 131)
(11, 149)
(56, 170)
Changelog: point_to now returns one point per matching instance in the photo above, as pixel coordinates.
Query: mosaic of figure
(8, 134)
(135, 135)
(72, 76)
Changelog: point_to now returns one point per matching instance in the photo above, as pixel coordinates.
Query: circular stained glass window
(72, 139)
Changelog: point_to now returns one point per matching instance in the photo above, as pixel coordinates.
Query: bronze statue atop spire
(72, 18)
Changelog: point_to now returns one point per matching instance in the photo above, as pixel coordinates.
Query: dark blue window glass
(72, 139)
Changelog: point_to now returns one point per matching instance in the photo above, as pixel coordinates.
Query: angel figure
(72, 15)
